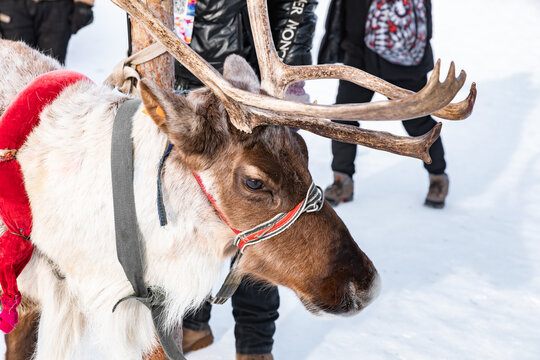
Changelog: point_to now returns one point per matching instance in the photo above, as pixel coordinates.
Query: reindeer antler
(276, 76)
(247, 110)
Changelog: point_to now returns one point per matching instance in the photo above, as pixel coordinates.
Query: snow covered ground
(458, 283)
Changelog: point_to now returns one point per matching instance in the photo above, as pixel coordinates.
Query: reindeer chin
(352, 302)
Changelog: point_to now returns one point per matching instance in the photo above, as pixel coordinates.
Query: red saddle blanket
(19, 119)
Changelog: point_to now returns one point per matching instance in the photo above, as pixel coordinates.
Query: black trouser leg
(255, 310)
(44, 25)
(198, 320)
(420, 126)
(345, 153)
(20, 26)
(53, 27)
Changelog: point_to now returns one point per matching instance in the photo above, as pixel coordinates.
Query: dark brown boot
(254, 357)
(438, 189)
(341, 190)
(195, 340)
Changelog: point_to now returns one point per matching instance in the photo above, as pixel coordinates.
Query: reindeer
(234, 134)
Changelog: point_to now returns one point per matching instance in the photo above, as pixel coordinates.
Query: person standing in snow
(345, 41)
(45, 25)
(221, 28)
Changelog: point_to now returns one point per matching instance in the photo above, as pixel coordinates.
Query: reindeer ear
(164, 106)
(196, 129)
(239, 73)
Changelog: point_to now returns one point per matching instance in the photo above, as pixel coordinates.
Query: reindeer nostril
(362, 297)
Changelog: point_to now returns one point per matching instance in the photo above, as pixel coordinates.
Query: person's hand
(4, 19)
(296, 92)
(82, 15)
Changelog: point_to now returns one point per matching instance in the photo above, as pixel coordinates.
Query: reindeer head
(234, 129)
(256, 176)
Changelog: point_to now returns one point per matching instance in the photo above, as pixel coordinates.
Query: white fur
(66, 166)
(19, 66)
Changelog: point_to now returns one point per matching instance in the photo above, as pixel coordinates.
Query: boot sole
(434, 204)
(200, 344)
(336, 203)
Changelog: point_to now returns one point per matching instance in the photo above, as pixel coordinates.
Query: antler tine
(272, 69)
(452, 71)
(460, 110)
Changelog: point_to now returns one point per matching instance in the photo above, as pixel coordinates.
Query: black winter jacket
(221, 28)
(344, 42)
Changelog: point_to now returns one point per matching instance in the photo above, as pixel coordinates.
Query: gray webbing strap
(128, 246)
(231, 282)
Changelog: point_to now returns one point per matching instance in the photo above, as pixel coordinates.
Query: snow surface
(458, 283)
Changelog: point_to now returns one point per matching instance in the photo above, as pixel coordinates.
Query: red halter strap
(258, 233)
(213, 201)
(313, 202)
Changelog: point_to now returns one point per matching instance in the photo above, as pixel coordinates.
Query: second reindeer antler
(247, 110)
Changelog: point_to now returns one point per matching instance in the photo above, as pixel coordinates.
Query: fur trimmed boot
(195, 340)
(438, 189)
(254, 357)
(341, 190)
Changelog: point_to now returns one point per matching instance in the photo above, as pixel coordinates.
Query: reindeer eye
(254, 184)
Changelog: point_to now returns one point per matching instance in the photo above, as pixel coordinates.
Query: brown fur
(21, 342)
(317, 252)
